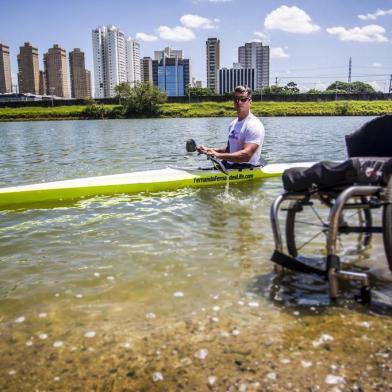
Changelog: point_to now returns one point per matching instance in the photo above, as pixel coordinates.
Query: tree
(291, 88)
(199, 91)
(354, 88)
(273, 90)
(142, 100)
(123, 91)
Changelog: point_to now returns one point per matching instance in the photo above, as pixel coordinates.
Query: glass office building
(171, 75)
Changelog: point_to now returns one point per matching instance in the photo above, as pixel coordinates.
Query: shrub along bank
(204, 109)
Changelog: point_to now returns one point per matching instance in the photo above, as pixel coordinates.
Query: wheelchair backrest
(373, 139)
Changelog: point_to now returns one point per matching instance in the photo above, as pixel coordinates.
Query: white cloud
(377, 65)
(377, 86)
(370, 33)
(278, 53)
(375, 15)
(198, 22)
(290, 20)
(261, 36)
(146, 37)
(177, 33)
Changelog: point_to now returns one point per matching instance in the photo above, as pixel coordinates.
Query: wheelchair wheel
(307, 229)
(387, 232)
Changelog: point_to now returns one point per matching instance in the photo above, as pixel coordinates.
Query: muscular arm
(240, 156)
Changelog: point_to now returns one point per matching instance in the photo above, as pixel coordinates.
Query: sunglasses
(241, 99)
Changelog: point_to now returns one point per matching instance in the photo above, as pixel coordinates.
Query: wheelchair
(330, 210)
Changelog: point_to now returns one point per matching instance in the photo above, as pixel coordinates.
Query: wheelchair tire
(387, 232)
(364, 240)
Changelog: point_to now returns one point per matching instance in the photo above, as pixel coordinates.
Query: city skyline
(310, 42)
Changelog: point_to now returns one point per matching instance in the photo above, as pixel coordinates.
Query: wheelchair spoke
(318, 215)
(310, 240)
(307, 223)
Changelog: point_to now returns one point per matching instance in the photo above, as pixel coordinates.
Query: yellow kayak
(132, 183)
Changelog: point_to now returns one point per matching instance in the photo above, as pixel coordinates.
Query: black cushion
(324, 175)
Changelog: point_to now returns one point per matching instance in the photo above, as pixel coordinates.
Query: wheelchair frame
(359, 197)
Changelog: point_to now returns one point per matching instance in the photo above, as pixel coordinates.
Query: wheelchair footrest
(295, 264)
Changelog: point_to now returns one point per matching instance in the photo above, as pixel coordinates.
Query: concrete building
(172, 75)
(146, 69)
(116, 60)
(168, 53)
(88, 83)
(55, 62)
(28, 69)
(229, 78)
(5, 70)
(42, 83)
(77, 69)
(213, 63)
(132, 58)
(255, 55)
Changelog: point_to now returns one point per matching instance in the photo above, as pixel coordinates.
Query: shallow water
(81, 282)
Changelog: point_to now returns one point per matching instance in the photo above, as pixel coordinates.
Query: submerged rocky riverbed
(312, 349)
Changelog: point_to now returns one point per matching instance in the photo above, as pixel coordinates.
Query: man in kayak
(246, 135)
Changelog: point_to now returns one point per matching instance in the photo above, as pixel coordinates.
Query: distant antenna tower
(390, 85)
(349, 75)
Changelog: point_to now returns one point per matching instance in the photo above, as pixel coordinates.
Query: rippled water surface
(138, 263)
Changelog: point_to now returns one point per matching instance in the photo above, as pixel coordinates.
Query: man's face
(242, 102)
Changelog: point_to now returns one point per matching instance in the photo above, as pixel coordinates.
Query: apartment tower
(213, 63)
(28, 69)
(5, 70)
(116, 60)
(77, 70)
(146, 69)
(132, 59)
(55, 62)
(255, 55)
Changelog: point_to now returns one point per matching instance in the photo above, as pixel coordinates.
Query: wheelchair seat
(325, 175)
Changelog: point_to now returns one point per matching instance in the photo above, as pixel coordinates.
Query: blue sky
(311, 40)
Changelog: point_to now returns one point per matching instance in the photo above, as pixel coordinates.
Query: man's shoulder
(254, 122)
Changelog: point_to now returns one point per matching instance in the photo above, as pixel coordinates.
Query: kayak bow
(132, 183)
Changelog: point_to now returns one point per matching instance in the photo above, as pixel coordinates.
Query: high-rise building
(167, 52)
(88, 83)
(28, 69)
(146, 69)
(213, 63)
(132, 58)
(77, 69)
(230, 78)
(42, 83)
(116, 60)
(5, 70)
(55, 61)
(257, 56)
(171, 75)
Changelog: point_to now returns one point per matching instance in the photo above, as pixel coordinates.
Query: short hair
(243, 89)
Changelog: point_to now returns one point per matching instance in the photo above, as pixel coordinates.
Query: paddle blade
(190, 145)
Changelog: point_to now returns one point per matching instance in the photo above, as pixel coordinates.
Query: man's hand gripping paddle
(191, 146)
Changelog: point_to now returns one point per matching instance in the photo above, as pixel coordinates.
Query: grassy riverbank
(205, 109)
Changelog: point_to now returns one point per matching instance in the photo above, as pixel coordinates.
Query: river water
(175, 290)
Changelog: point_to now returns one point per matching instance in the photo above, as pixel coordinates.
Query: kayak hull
(132, 183)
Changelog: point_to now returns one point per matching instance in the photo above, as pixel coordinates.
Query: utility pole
(349, 75)
(276, 81)
(390, 85)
